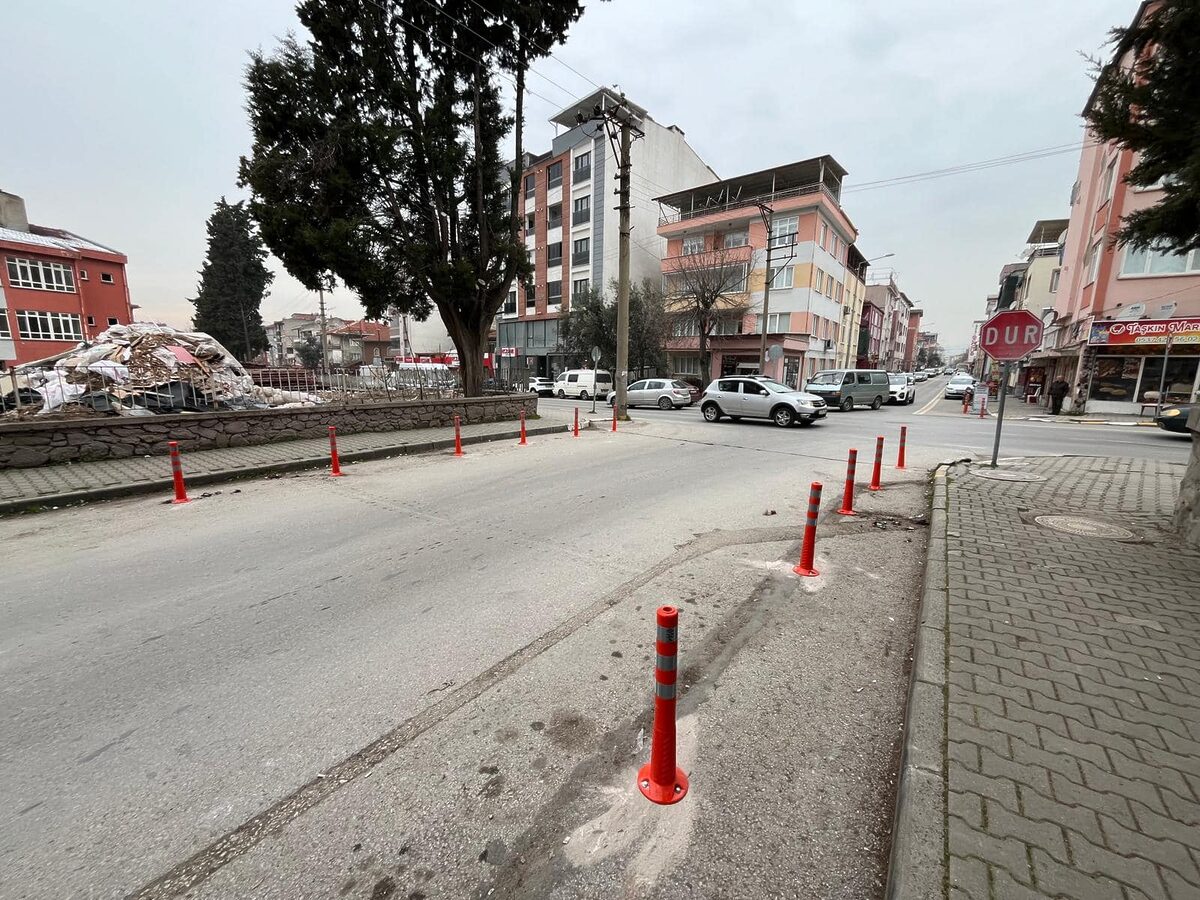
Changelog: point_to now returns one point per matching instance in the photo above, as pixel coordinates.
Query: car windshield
(680, 384)
(826, 378)
(897, 379)
(961, 379)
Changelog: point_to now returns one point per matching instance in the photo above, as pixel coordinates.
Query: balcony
(742, 202)
(581, 259)
(581, 174)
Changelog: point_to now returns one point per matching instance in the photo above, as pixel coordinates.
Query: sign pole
(1004, 370)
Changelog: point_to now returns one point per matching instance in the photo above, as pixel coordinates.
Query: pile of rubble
(140, 369)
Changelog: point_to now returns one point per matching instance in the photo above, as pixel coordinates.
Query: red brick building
(56, 288)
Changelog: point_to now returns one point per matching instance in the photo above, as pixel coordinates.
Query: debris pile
(140, 369)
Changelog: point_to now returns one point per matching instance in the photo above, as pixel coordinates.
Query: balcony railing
(581, 259)
(582, 174)
(769, 197)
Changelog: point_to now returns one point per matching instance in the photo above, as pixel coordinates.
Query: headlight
(1172, 412)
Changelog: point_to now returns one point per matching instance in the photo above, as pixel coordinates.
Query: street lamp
(885, 256)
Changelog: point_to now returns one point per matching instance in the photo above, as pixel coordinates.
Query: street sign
(595, 354)
(1010, 335)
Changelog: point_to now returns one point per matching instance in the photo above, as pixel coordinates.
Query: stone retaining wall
(38, 443)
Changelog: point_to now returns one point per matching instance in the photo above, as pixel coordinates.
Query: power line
(965, 168)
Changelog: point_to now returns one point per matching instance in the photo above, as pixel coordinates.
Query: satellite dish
(1132, 311)
(1166, 310)
(774, 352)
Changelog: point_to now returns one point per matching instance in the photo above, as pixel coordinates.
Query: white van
(583, 383)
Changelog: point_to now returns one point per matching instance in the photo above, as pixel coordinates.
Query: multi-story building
(571, 226)
(870, 334)
(929, 351)
(725, 223)
(285, 335)
(1127, 321)
(910, 339)
(56, 288)
(359, 342)
(886, 319)
(854, 295)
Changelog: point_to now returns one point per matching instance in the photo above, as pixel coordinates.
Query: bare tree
(707, 288)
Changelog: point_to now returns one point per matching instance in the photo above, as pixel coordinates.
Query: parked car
(957, 386)
(949, 370)
(543, 387)
(1174, 418)
(900, 389)
(847, 388)
(665, 393)
(582, 383)
(755, 398)
(921, 376)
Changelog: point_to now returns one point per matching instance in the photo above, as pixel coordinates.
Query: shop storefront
(1130, 362)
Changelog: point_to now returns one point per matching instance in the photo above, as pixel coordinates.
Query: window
(83, 275)
(554, 216)
(581, 210)
(824, 234)
(780, 277)
(42, 276)
(863, 377)
(572, 378)
(1092, 262)
(783, 231)
(693, 245)
(554, 254)
(554, 292)
(736, 239)
(727, 326)
(1054, 276)
(510, 305)
(753, 388)
(1110, 179)
(1115, 378)
(685, 328)
(777, 323)
(580, 286)
(818, 279)
(727, 386)
(4, 329)
(1177, 385)
(106, 277)
(48, 326)
(1156, 262)
(531, 298)
(554, 175)
(530, 185)
(529, 222)
(582, 167)
(638, 386)
(581, 251)
(91, 320)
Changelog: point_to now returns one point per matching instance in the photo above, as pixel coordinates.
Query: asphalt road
(230, 674)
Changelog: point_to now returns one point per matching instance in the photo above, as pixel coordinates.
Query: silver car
(665, 393)
(760, 398)
(957, 386)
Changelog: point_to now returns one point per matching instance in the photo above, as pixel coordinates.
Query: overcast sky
(125, 120)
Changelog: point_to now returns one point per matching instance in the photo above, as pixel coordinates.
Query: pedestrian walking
(1058, 392)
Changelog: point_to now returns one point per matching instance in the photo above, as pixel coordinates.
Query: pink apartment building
(1121, 314)
(810, 240)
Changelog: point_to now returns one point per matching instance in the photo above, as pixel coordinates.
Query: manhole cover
(998, 475)
(1081, 527)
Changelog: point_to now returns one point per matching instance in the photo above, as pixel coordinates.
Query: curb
(918, 868)
(112, 492)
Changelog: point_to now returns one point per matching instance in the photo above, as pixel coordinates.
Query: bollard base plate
(664, 794)
(846, 512)
(337, 474)
(874, 488)
(184, 500)
(806, 572)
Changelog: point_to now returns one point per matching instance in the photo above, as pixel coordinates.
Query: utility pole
(324, 341)
(765, 212)
(623, 277)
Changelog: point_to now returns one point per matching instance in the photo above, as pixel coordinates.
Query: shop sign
(1135, 332)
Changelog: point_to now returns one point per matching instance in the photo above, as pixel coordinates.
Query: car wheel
(783, 417)
(665, 403)
(876, 403)
(912, 399)
(562, 395)
(583, 395)
(712, 412)
(847, 404)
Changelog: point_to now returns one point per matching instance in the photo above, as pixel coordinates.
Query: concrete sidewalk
(1053, 737)
(51, 486)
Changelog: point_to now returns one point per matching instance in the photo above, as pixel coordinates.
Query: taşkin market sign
(1119, 333)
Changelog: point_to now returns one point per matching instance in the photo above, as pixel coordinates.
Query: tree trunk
(469, 343)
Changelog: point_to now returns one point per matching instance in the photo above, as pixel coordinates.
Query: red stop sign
(1010, 335)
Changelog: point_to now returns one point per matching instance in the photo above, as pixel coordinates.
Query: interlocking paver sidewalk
(56, 485)
(1053, 745)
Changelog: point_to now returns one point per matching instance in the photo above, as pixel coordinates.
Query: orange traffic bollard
(614, 427)
(848, 495)
(661, 780)
(575, 430)
(522, 442)
(457, 436)
(983, 406)
(875, 485)
(177, 473)
(808, 550)
(903, 440)
(335, 466)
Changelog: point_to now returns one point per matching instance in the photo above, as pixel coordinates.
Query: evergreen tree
(233, 282)
(1146, 100)
(377, 156)
(309, 352)
(590, 322)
